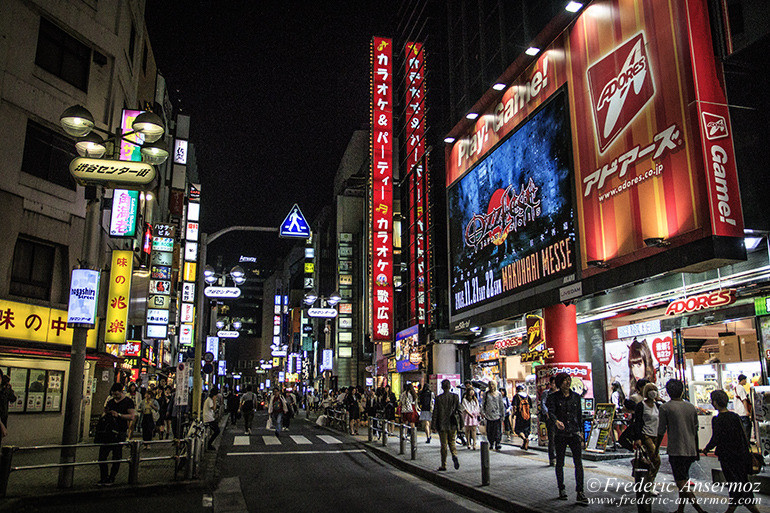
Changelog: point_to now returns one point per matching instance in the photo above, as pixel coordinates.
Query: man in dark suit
(445, 414)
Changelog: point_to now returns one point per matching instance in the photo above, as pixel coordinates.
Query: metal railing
(185, 457)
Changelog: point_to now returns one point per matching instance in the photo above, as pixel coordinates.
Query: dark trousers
(575, 445)
(214, 426)
(148, 427)
(735, 471)
(248, 416)
(494, 432)
(550, 428)
(104, 453)
(746, 422)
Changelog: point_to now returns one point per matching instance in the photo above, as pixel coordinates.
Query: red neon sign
(702, 301)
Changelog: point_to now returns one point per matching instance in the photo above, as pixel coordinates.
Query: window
(37, 390)
(63, 55)
(32, 269)
(47, 155)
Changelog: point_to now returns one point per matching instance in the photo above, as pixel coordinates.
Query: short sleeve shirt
(123, 406)
(738, 405)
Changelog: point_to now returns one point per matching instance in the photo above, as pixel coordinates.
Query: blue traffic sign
(295, 225)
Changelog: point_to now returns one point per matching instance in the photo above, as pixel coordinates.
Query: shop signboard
(123, 216)
(159, 272)
(165, 244)
(155, 316)
(162, 258)
(130, 145)
(159, 301)
(326, 361)
(647, 128)
(187, 313)
(601, 428)
(381, 206)
(714, 299)
(157, 331)
(118, 294)
(407, 343)
(511, 223)
(160, 287)
(182, 383)
(112, 174)
(186, 333)
(84, 297)
(188, 292)
(650, 357)
(32, 323)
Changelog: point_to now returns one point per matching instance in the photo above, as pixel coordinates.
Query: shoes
(552, 463)
(456, 462)
(102, 482)
(526, 445)
(441, 469)
(427, 441)
(581, 498)
(563, 495)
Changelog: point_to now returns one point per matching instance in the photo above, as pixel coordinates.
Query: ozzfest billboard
(648, 135)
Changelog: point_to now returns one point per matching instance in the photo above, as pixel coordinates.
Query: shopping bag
(269, 422)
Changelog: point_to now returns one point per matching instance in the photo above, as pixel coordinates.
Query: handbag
(106, 430)
(641, 464)
(756, 461)
(269, 424)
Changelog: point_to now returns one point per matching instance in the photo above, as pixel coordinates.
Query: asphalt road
(305, 469)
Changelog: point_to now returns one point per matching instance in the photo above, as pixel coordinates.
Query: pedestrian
(679, 419)
(426, 401)
(732, 449)
(493, 410)
(741, 404)
(135, 396)
(168, 430)
(327, 402)
(409, 408)
(507, 424)
(276, 409)
(550, 427)
(445, 413)
(233, 407)
(162, 409)
(291, 409)
(352, 405)
(566, 413)
(645, 428)
(471, 411)
(247, 405)
(121, 410)
(522, 414)
(370, 404)
(618, 399)
(210, 412)
(150, 410)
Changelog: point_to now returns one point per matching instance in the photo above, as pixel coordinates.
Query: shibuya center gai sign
(511, 226)
(113, 174)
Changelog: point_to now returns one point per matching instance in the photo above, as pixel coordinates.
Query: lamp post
(78, 122)
(327, 312)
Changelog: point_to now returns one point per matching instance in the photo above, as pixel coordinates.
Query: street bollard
(401, 439)
(369, 429)
(385, 433)
(484, 463)
(6, 458)
(413, 440)
(188, 468)
(135, 449)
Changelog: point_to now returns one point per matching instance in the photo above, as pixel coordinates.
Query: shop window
(36, 390)
(62, 55)
(47, 155)
(32, 270)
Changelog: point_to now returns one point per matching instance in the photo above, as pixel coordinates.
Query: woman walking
(646, 429)
(426, 400)
(493, 410)
(150, 410)
(471, 411)
(409, 410)
(353, 407)
(522, 413)
(732, 449)
(618, 398)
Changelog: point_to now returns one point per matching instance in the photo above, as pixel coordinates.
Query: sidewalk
(523, 481)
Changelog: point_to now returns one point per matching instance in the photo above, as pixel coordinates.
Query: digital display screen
(511, 216)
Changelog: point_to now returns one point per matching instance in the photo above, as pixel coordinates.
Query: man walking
(445, 413)
(550, 427)
(741, 405)
(680, 419)
(248, 403)
(122, 410)
(277, 408)
(565, 411)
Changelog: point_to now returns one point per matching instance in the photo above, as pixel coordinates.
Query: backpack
(524, 412)
(106, 430)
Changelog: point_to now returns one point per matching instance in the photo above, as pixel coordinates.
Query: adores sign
(714, 299)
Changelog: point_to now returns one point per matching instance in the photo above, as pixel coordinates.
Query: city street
(305, 469)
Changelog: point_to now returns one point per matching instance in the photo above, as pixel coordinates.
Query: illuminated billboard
(123, 216)
(511, 222)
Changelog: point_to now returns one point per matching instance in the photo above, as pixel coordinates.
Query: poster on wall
(582, 379)
(408, 355)
(650, 357)
(511, 217)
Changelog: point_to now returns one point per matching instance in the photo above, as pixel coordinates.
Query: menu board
(36, 390)
(54, 391)
(19, 386)
(601, 428)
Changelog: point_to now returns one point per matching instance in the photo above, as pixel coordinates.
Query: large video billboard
(512, 223)
(651, 138)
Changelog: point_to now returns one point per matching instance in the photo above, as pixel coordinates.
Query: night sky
(274, 91)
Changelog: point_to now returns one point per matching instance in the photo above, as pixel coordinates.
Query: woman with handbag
(732, 449)
(409, 411)
(646, 429)
(471, 411)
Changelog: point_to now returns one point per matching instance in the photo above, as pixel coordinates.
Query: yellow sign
(190, 269)
(276, 362)
(309, 267)
(33, 323)
(113, 174)
(116, 324)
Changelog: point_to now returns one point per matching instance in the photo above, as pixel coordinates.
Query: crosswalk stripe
(271, 440)
(241, 440)
(329, 439)
(276, 453)
(299, 439)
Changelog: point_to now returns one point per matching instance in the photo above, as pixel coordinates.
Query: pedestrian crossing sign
(295, 226)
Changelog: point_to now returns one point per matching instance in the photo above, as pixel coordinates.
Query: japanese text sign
(118, 297)
(34, 323)
(84, 297)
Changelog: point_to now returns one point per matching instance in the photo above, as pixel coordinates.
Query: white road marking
(241, 440)
(271, 440)
(266, 453)
(299, 439)
(330, 439)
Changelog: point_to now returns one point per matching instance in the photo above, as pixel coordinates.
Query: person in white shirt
(741, 405)
(247, 406)
(210, 416)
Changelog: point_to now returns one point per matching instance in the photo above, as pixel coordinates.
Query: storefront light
(597, 317)
(499, 86)
(532, 51)
(573, 7)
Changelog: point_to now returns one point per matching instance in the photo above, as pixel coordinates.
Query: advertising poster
(582, 379)
(601, 428)
(84, 296)
(510, 226)
(408, 355)
(36, 391)
(116, 323)
(631, 359)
